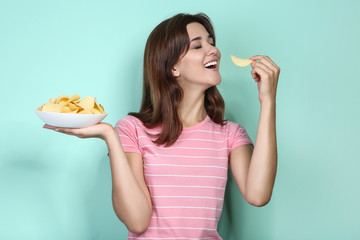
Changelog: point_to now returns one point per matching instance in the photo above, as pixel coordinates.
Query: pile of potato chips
(73, 104)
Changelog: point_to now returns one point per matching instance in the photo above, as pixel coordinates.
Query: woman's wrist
(268, 103)
(109, 134)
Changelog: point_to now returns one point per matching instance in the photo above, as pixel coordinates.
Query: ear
(175, 72)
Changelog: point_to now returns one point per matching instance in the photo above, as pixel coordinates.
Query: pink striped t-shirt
(187, 180)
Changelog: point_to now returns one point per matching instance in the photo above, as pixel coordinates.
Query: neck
(192, 110)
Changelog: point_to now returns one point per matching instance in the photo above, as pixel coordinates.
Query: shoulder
(228, 127)
(129, 120)
(236, 132)
(129, 125)
(233, 126)
(237, 135)
(129, 134)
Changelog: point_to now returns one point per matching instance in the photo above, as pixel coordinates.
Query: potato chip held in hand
(240, 62)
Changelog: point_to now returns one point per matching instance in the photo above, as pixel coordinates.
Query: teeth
(210, 64)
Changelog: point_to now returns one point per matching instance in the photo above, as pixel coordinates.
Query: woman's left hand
(266, 73)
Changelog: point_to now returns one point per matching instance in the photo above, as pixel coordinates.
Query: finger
(266, 65)
(253, 63)
(260, 58)
(69, 131)
(46, 126)
(263, 66)
(256, 57)
(254, 75)
(258, 70)
(257, 75)
(269, 61)
(264, 59)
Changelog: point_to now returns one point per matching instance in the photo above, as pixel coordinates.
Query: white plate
(68, 120)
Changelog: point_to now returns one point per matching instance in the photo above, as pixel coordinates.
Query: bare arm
(130, 196)
(254, 170)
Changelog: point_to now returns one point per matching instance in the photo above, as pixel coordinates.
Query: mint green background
(54, 186)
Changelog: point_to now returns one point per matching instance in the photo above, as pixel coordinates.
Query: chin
(217, 81)
(214, 83)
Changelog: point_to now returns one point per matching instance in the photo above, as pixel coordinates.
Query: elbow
(259, 201)
(138, 227)
(135, 218)
(138, 224)
(258, 197)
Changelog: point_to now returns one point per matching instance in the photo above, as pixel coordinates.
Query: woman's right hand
(100, 130)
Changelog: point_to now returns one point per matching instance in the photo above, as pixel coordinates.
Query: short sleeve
(127, 131)
(238, 136)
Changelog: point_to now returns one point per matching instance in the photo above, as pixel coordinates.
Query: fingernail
(56, 129)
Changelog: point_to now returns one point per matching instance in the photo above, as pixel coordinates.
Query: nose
(213, 50)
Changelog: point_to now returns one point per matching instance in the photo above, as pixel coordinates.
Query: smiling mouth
(211, 65)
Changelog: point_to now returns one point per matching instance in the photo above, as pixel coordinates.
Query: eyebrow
(199, 38)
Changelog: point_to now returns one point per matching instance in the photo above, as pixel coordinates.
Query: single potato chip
(85, 111)
(101, 109)
(65, 109)
(74, 98)
(73, 106)
(87, 103)
(62, 99)
(95, 111)
(40, 108)
(52, 107)
(53, 100)
(98, 107)
(240, 62)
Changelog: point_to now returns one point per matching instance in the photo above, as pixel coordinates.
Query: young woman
(169, 161)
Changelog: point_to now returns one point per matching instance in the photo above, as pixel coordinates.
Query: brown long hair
(161, 92)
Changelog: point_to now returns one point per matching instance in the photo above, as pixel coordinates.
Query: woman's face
(199, 67)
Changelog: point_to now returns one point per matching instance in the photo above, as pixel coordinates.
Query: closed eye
(210, 40)
(199, 46)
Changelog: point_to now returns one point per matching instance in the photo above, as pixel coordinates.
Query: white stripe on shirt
(174, 165)
(187, 197)
(184, 186)
(163, 175)
(182, 156)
